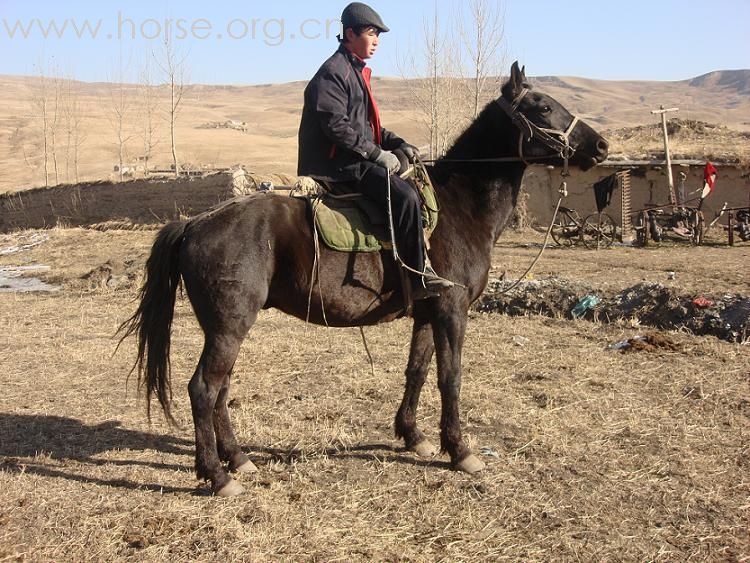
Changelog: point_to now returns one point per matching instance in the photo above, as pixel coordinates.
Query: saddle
(350, 222)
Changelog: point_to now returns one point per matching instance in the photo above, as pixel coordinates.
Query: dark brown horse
(257, 252)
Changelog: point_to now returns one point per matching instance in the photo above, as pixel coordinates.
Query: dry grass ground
(591, 454)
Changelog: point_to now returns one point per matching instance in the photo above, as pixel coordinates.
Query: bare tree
(120, 108)
(79, 132)
(72, 120)
(148, 99)
(173, 67)
(47, 111)
(457, 70)
(56, 118)
(483, 39)
(437, 87)
(40, 102)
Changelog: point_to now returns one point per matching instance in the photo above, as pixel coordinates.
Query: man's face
(365, 44)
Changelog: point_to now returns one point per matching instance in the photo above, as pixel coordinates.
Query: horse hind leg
(420, 355)
(209, 382)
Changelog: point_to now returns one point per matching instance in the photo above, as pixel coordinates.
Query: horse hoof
(425, 448)
(470, 464)
(247, 467)
(231, 489)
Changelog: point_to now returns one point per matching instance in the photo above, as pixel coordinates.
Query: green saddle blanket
(357, 224)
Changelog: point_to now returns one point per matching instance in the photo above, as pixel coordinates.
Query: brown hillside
(271, 113)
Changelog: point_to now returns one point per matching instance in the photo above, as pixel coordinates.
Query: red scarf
(373, 113)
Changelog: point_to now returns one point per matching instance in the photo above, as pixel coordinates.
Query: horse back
(260, 251)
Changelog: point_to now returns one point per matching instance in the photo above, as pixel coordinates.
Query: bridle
(554, 139)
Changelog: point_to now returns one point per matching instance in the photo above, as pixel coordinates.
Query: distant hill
(738, 80)
(721, 97)
(270, 114)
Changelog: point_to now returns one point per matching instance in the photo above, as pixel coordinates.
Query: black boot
(429, 284)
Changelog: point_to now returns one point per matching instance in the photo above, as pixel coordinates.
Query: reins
(396, 256)
(554, 139)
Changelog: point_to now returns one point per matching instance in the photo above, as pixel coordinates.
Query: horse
(258, 251)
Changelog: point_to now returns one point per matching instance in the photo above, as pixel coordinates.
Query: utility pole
(663, 112)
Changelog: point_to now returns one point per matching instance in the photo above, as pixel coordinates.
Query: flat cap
(358, 14)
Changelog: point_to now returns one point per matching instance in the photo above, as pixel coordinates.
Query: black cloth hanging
(603, 191)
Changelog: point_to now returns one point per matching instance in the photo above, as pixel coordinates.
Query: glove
(388, 160)
(410, 151)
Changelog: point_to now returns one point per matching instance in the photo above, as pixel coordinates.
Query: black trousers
(407, 216)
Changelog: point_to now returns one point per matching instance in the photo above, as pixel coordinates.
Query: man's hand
(410, 151)
(388, 160)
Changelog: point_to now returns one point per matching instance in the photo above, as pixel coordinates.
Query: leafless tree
(436, 88)
(40, 101)
(120, 108)
(72, 109)
(457, 69)
(173, 67)
(56, 82)
(148, 100)
(483, 39)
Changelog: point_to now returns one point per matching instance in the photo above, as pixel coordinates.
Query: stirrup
(419, 292)
(431, 280)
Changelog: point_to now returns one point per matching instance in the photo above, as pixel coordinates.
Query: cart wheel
(565, 230)
(599, 231)
(698, 227)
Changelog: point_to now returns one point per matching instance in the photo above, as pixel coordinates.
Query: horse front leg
(449, 330)
(420, 355)
(226, 443)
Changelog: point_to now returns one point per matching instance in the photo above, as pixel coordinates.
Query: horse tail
(152, 321)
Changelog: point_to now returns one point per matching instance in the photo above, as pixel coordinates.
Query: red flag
(709, 178)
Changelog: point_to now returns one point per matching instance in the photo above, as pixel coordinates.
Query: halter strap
(555, 139)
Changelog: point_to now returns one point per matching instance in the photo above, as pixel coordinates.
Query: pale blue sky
(638, 39)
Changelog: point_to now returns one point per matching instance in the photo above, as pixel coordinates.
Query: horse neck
(481, 195)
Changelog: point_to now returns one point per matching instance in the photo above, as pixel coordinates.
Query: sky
(254, 42)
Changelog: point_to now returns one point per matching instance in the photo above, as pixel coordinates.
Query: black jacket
(335, 136)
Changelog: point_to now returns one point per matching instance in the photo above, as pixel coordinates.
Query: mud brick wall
(648, 186)
(138, 201)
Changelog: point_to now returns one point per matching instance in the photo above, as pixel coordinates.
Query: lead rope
(367, 349)
(315, 272)
(563, 191)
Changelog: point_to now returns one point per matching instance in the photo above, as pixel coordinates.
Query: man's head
(361, 27)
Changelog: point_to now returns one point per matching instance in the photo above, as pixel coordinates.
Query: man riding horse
(341, 140)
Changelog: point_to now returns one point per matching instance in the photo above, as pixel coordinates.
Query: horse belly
(341, 289)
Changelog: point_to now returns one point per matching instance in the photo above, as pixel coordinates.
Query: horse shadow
(24, 438)
(384, 453)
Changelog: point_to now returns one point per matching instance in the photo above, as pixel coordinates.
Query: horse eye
(546, 109)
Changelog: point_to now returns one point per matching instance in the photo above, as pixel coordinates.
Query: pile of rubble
(651, 304)
(229, 124)
(690, 139)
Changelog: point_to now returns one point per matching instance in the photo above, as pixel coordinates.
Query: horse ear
(517, 79)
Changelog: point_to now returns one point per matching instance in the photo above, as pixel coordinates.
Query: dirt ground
(592, 453)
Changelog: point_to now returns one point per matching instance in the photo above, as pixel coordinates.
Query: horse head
(549, 133)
